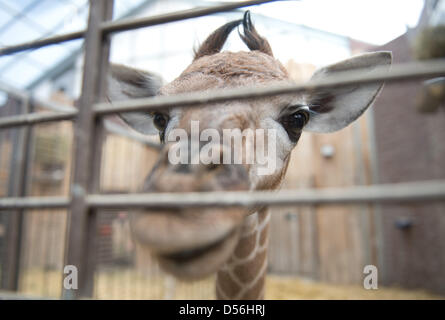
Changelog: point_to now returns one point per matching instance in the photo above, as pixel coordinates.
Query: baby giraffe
(193, 243)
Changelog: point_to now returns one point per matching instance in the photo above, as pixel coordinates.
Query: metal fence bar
(34, 203)
(42, 42)
(34, 118)
(395, 193)
(128, 24)
(69, 113)
(408, 71)
(18, 182)
(400, 72)
(87, 134)
(42, 117)
(96, 151)
(410, 192)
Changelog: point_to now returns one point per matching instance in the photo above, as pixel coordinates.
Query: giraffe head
(191, 243)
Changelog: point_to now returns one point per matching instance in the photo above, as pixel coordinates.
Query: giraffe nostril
(212, 166)
(182, 168)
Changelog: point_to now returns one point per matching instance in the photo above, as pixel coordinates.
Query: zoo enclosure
(85, 199)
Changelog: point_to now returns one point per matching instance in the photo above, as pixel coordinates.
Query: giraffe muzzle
(191, 242)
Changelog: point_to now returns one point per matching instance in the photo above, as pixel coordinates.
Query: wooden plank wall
(125, 164)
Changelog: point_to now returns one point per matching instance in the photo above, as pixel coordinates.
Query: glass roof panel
(5, 60)
(19, 5)
(57, 15)
(4, 16)
(21, 74)
(25, 20)
(19, 30)
(28, 20)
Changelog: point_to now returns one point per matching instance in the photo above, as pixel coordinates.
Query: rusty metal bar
(388, 193)
(408, 71)
(128, 24)
(86, 136)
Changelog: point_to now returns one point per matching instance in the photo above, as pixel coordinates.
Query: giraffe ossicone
(193, 243)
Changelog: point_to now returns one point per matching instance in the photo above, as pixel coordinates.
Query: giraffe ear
(335, 108)
(126, 83)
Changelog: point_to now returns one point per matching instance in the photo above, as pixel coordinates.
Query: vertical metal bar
(99, 136)
(378, 224)
(314, 236)
(363, 209)
(86, 173)
(18, 179)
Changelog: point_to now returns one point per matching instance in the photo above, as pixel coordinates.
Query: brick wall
(410, 147)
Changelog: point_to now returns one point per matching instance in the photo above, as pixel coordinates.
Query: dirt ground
(293, 288)
(127, 284)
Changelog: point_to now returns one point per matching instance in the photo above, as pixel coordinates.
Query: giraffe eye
(294, 123)
(160, 121)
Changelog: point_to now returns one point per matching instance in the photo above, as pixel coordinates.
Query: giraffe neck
(243, 275)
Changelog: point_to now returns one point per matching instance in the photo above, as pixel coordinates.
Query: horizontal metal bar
(27, 119)
(400, 72)
(390, 193)
(367, 194)
(51, 106)
(42, 42)
(128, 24)
(37, 117)
(34, 203)
(40, 117)
(124, 25)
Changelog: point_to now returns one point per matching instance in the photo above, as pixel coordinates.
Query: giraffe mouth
(185, 256)
(200, 261)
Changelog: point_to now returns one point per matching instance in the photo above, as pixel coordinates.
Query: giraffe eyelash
(310, 110)
(305, 107)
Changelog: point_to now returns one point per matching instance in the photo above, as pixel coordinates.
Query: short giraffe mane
(226, 65)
